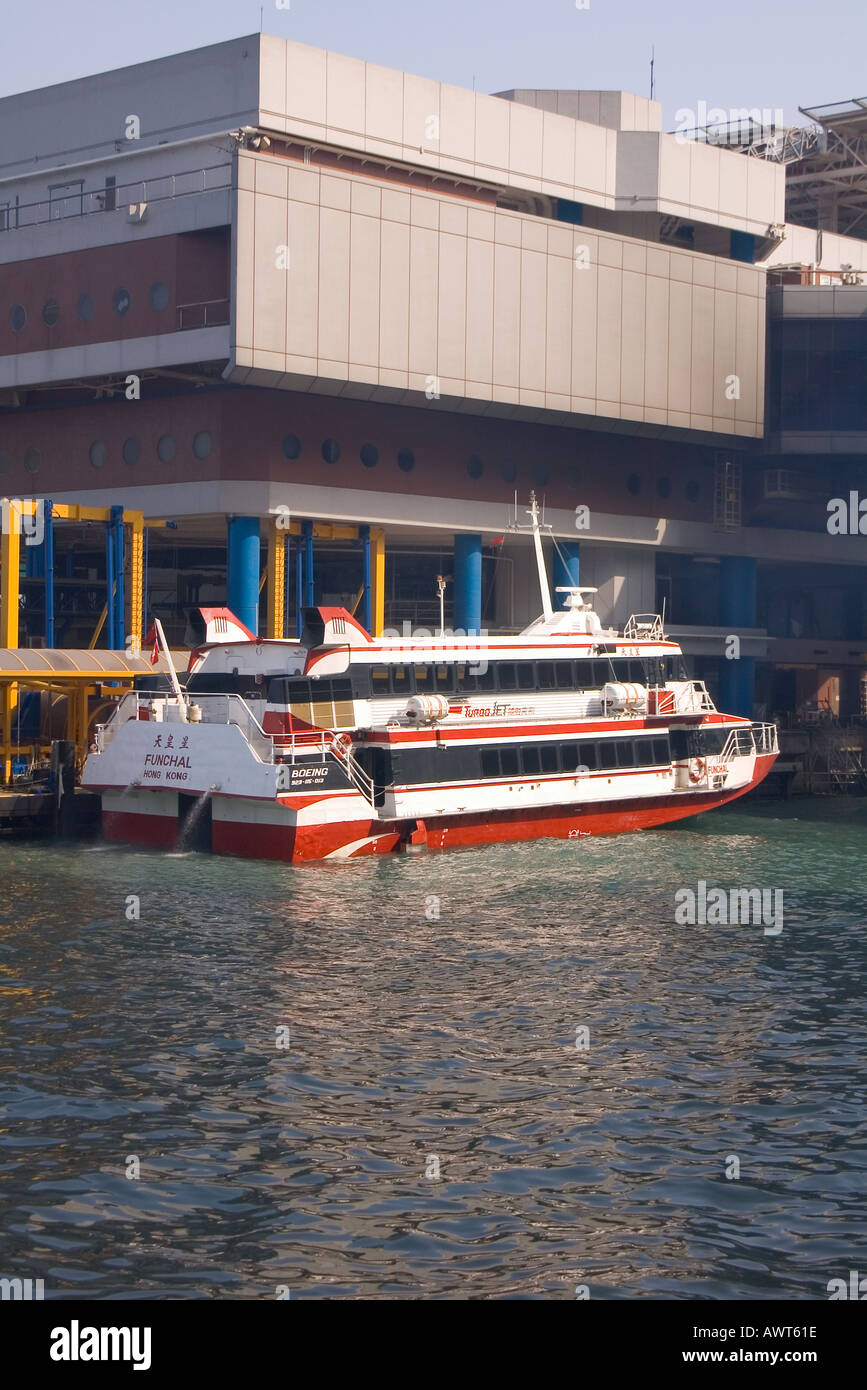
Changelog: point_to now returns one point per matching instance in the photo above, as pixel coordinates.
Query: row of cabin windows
(408, 766)
(515, 678)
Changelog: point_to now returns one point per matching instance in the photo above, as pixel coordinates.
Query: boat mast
(533, 512)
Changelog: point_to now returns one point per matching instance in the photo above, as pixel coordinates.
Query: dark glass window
(17, 317)
(405, 460)
(369, 455)
(625, 752)
(693, 490)
(508, 471)
(509, 762)
(475, 467)
(131, 451)
(548, 757)
(202, 444)
(401, 680)
(526, 676)
(607, 754)
(466, 680)
(485, 679)
(490, 762)
(569, 756)
(330, 450)
(540, 474)
(424, 679)
(588, 754)
(445, 679)
(660, 750)
(507, 675)
(633, 484)
(546, 675)
(530, 764)
(563, 675)
(120, 301)
(158, 297)
(663, 487)
(51, 313)
(380, 682)
(85, 307)
(291, 446)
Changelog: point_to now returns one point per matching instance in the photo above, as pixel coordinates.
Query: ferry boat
(339, 744)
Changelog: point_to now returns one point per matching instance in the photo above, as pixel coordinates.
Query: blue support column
(119, 596)
(309, 583)
(48, 544)
(468, 583)
(366, 609)
(242, 569)
(737, 692)
(566, 570)
(109, 586)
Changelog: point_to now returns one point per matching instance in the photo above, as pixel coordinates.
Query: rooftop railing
(71, 200)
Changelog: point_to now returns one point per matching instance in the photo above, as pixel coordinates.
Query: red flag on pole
(152, 637)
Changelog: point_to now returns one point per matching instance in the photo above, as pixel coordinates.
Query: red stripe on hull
(354, 839)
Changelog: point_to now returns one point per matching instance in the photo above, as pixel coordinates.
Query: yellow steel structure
(324, 531)
(13, 511)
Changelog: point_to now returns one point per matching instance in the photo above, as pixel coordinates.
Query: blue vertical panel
(119, 595)
(566, 570)
(242, 569)
(309, 580)
(743, 246)
(366, 609)
(48, 550)
(468, 583)
(109, 586)
(737, 691)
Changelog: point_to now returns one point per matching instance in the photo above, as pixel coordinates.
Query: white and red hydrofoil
(340, 744)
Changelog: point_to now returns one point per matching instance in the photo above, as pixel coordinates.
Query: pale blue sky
(733, 54)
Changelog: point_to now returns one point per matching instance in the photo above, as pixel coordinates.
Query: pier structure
(324, 320)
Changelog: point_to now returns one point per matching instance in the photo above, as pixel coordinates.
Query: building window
(663, 487)
(85, 308)
(17, 318)
(540, 474)
(98, 454)
(693, 490)
(369, 455)
(131, 451)
(508, 471)
(330, 450)
(158, 297)
(51, 313)
(32, 460)
(405, 460)
(633, 484)
(166, 449)
(202, 444)
(66, 199)
(291, 446)
(120, 301)
(475, 467)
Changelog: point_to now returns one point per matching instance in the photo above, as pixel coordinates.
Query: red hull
(354, 839)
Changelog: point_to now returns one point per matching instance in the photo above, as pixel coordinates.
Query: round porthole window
(475, 467)
(166, 449)
(369, 455)
(330, 450)
(17, 317)
(693, 490)
(508, 471)
(158, 296)
(98, 454)
(120, 301)
(32, 460)
(405, 460)
(540, 474)
(85, 307)
(131, 451)
(202, 444)
(573, 477)
(663, 487)
(633, 484)
(291, 446)
(51, 313)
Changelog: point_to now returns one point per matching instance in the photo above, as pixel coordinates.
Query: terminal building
(323, 322)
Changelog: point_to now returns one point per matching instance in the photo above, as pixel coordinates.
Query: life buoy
(697, 769)
(341, 746)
